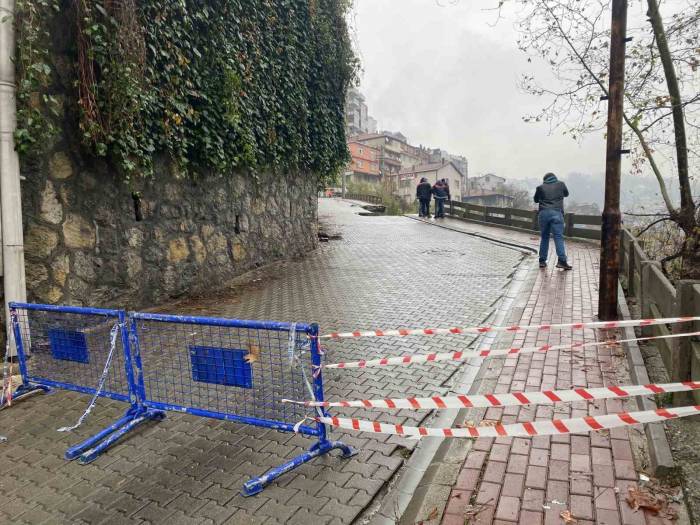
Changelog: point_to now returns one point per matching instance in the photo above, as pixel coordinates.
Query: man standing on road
(423, 193)
(550, 197)
(440, 192)
(447, 187)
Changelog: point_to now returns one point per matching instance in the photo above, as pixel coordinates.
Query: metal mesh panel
(244, 372)
(71, 349)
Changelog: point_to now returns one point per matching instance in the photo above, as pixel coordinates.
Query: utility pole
(610, 230)
(10, 195)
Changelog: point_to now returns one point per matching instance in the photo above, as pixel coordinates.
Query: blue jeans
(552, 221)
(439, 207)
(424, 207)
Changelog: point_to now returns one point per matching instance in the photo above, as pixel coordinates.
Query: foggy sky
(444, 78)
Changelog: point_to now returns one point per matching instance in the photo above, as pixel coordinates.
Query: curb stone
(418, 488)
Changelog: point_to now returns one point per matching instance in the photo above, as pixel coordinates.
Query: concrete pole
(10, 196)
(610, 229)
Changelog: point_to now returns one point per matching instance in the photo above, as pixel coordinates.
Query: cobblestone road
(384, 272)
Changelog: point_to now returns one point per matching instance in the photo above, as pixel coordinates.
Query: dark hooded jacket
(423, 190)
(440, 190)
(551, 194)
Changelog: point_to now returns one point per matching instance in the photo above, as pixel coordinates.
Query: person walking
(440, 192)
(424, 193)
(550, 197)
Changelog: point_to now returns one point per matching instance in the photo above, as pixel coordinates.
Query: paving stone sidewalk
(532, 481)
(385, 272)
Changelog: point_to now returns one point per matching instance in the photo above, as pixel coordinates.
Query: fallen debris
(653, 498)
(568, 517)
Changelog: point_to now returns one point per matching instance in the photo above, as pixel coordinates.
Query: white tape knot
(297, 427)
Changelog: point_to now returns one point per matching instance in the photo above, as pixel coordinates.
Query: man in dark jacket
(423, 193)
(550, 197)
(440, 192)
(447, 186)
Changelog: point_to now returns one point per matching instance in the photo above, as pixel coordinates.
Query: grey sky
(446, 79)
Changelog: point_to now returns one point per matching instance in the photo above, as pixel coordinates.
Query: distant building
(490, 199)
(371, 125)
(395, 153)
(389, 150)
(485, 185)
(364, 164)
(357, 118)
(355, 112)
(403, 184)
(460, 162)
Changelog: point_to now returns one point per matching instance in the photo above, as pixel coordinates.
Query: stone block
(40, 241)
(36, 274)
(198, 249)
(60, 166)
(78, 233)
(51, 209)
(178, 250)
(59, 269)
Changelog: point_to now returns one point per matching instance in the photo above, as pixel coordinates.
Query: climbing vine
(34, 101)
(215, 84)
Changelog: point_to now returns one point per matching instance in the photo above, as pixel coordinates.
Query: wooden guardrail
(373, 199)
(644, 281)
(641, 277)
(582, 226)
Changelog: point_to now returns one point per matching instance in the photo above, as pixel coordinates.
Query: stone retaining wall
(85, 246)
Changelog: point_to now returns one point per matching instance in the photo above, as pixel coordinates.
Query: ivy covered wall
(216, 84)
(169, 145)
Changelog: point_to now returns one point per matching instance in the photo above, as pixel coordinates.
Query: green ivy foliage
(37, 109)
(216, 84)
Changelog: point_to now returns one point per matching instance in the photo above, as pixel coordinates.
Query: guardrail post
(569, 224)
(688, 304)
(646, 301)
(535, 221)
(628, 239)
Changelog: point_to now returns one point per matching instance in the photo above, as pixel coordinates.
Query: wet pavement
(384, 272)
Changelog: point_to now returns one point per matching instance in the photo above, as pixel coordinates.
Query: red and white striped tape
(535, 428)
(486, 352)
(515, 328)
(547, 397)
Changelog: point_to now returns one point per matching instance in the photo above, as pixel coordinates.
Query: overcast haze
(444, 78)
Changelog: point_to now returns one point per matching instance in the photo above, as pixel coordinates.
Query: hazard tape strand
(488, 352)
(514, 328)
(546, 397)
(534, 428)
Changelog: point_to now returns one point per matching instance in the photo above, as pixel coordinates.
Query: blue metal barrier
(68, 347)
(227, 369)
(234, 370)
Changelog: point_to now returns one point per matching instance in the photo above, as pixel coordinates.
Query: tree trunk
(690, 268)
(687, 206)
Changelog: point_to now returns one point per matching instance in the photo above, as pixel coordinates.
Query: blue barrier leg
(22, 392)
(133, 422)
(256, 485)
(74, 451)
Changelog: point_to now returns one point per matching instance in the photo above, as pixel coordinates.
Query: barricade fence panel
(239, 370)
(67, 347)
(221, 368)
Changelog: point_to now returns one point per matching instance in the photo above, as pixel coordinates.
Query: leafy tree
(662, 99)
